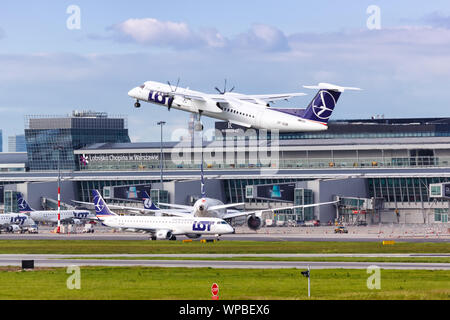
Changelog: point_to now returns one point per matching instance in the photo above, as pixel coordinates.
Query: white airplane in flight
(51, 216)
(249, 111)
(13, 222)
(160, 227)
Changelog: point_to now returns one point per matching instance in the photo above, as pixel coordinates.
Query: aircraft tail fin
(148, 203)
(22, 204)
(101, 208)
(322, 105)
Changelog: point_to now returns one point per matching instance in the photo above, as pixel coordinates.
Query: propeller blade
(218, 90)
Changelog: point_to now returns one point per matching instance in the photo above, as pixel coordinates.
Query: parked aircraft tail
(148, 203)
(101, 208)
(22, 204)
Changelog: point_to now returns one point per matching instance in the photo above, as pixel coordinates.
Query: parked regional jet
(51, 216)
(209, 207)
(249, 111)
(13, 222)
(160, 227)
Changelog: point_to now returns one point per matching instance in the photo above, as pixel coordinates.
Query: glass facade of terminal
(85, 187)
(150, 162)
(53, 140)
(301, 197)
(403, 190)
(235, 189)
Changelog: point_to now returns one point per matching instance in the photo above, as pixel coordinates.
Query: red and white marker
(215, 291)
(58, 230)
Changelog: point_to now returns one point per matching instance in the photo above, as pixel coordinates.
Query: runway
(120, 261)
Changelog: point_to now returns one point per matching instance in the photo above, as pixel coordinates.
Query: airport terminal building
(379, 170)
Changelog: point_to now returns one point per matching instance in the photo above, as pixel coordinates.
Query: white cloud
(153, 32)
(179, 35)
(262, 37)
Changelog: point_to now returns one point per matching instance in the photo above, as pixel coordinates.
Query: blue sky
(259, 46)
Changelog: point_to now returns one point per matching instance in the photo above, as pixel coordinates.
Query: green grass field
(145, 246)
(195, 283)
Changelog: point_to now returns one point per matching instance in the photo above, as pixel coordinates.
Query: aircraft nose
(133, 92)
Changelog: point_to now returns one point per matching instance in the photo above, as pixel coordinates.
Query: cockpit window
(142, 87)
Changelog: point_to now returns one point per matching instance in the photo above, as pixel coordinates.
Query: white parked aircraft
(160, 227)
(51, 216)
(249, 111)
(13, 222)
(209, 207)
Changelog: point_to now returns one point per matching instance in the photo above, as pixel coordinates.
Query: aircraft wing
(178, 206)
(265, 98)
(248, 213)
(205, 102)
(199, 98)
(115, 206)
(225, 206)
(171, 212)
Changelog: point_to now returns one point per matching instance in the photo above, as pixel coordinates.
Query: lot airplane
(13, 222)
(209, 207)
(160, 227)
(51, 216)
(249, 111)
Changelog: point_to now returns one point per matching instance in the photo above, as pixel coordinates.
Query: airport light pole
(307, 274)
(161, 123)
(58, 230)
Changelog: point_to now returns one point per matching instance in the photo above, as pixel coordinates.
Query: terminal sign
(119, 157)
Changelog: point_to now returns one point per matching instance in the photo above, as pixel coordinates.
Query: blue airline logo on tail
(100, 206)
(323, 104)
(22, 204)
(148, 203)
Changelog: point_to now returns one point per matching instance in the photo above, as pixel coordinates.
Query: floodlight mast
(58, 230)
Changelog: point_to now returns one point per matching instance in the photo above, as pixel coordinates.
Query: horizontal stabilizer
(329, 86)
